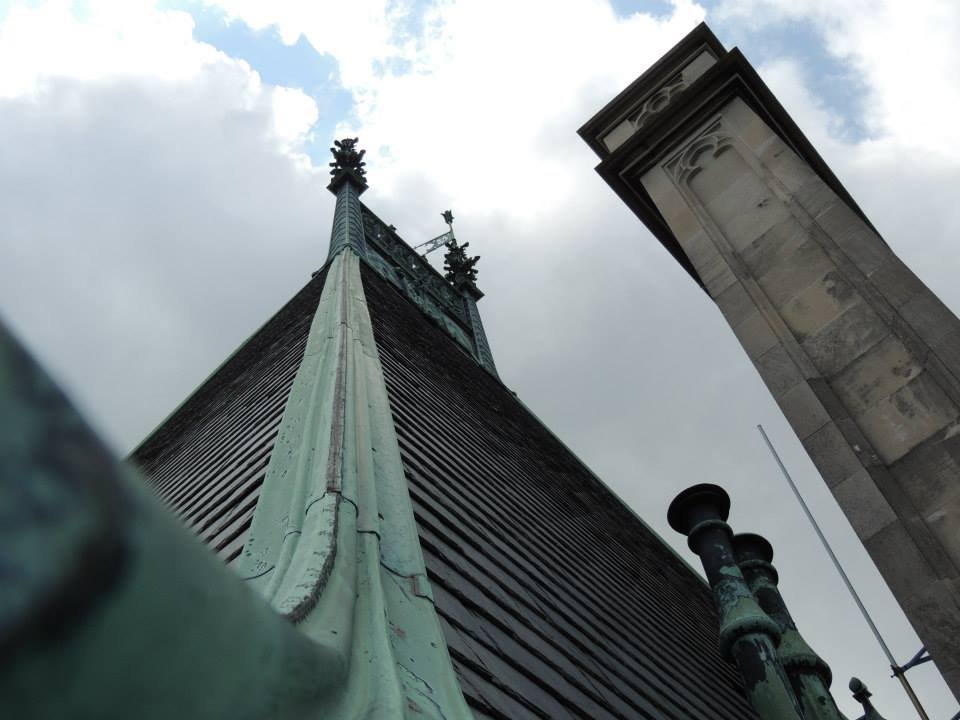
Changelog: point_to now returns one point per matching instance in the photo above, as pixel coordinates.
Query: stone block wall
(862, 358)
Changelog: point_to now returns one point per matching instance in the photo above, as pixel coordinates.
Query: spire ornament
(347, 157)
(347, 166)
(458, 265)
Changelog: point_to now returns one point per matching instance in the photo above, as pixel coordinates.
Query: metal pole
(898, 673)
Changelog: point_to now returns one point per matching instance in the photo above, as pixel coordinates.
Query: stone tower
(863, 360)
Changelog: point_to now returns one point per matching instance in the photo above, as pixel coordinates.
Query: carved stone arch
(709, 144)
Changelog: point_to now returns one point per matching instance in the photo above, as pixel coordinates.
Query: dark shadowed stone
(878, 373)
(927, 475)
(803, 410)
(778, 370)
(832, 455)
(896, 282)
(929, 317)
(735, 304)
(893, 547)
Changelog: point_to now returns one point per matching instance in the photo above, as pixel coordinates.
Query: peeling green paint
(809, 675)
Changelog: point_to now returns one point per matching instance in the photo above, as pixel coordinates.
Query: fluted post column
(747, 635)
(808, 673)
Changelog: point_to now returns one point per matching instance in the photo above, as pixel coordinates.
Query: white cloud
(358, 33)
(113, 39)
(905, 53)
(148, 182)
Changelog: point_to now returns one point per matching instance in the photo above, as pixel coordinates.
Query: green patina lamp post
(747, 634)
(862, 696)
(807, 671)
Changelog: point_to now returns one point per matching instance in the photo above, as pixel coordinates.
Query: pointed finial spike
(448, 217)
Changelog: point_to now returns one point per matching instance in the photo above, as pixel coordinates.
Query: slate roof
(555, 600)
(208, 459)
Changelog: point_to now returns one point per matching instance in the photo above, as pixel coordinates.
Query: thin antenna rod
(900, 675)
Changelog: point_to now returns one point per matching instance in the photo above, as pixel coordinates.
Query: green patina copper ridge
(334, 544)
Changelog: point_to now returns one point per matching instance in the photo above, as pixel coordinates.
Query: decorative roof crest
(458, 265)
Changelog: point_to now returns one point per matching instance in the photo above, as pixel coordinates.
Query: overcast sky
(162, 194)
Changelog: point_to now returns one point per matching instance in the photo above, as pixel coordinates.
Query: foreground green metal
(109, 608)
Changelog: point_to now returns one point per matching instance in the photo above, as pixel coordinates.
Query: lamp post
(808, 673)
(747, 634)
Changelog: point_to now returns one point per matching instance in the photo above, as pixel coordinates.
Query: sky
(162, 193)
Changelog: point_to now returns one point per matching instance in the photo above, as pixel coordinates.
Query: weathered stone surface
(853, 236)
(735, 304)
(832, 455)
(744, 210)
(845, 339)
(719, 279)
(895, 281)
(947, 348)
(755, 335)
(814, 196)
(929, 317)
(684, 223)
(904, 568)
(818, 304)
(724, 173)
(774, 246)
(876, 374)
(789, 275)
(900, 422)
(937, 604)
(778, 370)
(865, 507)
(701, 251)
(803, 410)
(929, 476)
(660, 187)
(748, 126)
(944, 523)
(837, 219)
(784, 164)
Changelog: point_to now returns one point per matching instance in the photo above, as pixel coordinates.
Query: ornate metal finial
(346, 157)
(458, 265)
(448, 217)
